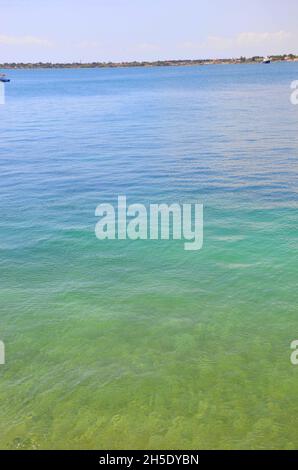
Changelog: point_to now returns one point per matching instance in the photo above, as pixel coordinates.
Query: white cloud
(23, 41)
(244, 41)
(258, 39)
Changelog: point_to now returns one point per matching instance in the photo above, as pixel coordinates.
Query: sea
(122, 344)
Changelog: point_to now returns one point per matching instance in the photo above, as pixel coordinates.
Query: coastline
(145, 64)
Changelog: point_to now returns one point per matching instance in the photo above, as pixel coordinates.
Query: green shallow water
(141, 345)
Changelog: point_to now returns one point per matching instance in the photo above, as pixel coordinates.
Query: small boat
(3, 78)
(266, 60)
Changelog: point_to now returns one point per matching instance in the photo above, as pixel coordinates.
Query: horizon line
(241, 58)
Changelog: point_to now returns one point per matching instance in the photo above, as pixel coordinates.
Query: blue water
(122, 344)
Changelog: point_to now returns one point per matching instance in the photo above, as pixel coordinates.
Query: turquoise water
(122, 344)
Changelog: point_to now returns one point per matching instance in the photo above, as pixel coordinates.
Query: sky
(127, 30)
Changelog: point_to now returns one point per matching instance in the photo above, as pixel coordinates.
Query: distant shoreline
(158, 63)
